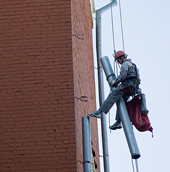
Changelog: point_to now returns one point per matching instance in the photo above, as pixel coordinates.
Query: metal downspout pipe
(101, 84)
(130, 137)
(87, 151)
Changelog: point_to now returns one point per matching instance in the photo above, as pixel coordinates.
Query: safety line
(121, 25)
(137, 169)
(117, 65)
(113, 29)
(109, 115)
(133, 165)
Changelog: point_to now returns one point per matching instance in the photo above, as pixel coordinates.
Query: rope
(114, 66)
(137, 170)
(121, 25)
(117, 65)
(113, 47)
(133, 165)
(109, 117)
(136, 163)
(112, 29)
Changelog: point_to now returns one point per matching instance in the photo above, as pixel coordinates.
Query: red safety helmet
(119, 54)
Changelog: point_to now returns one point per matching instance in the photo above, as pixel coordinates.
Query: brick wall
(83, 73)
(40, 120)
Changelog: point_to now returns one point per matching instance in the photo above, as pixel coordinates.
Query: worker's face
(120, 60)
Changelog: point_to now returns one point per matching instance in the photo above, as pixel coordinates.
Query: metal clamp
(82, 98)
(78, 36)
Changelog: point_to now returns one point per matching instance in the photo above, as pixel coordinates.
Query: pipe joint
(108, 6)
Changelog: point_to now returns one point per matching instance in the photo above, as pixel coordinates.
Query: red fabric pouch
(141, 122)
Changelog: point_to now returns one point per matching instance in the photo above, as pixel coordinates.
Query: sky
(146, 30)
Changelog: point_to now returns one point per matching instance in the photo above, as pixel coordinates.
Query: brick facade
(44, 70)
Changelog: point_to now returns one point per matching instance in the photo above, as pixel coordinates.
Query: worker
(126, 84)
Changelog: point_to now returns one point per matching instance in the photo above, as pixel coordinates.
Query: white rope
(121, 25)
(137, 169)
(109, 117)
(112, 29)
(133, 165)
(117, 65)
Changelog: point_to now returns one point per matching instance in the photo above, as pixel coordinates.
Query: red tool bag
(141, 122)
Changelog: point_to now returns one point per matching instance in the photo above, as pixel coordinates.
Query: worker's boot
(116, 125)
(96, 114)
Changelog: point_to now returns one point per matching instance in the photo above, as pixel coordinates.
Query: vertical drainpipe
(101, 93)
(101, 84)
(87, 152)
